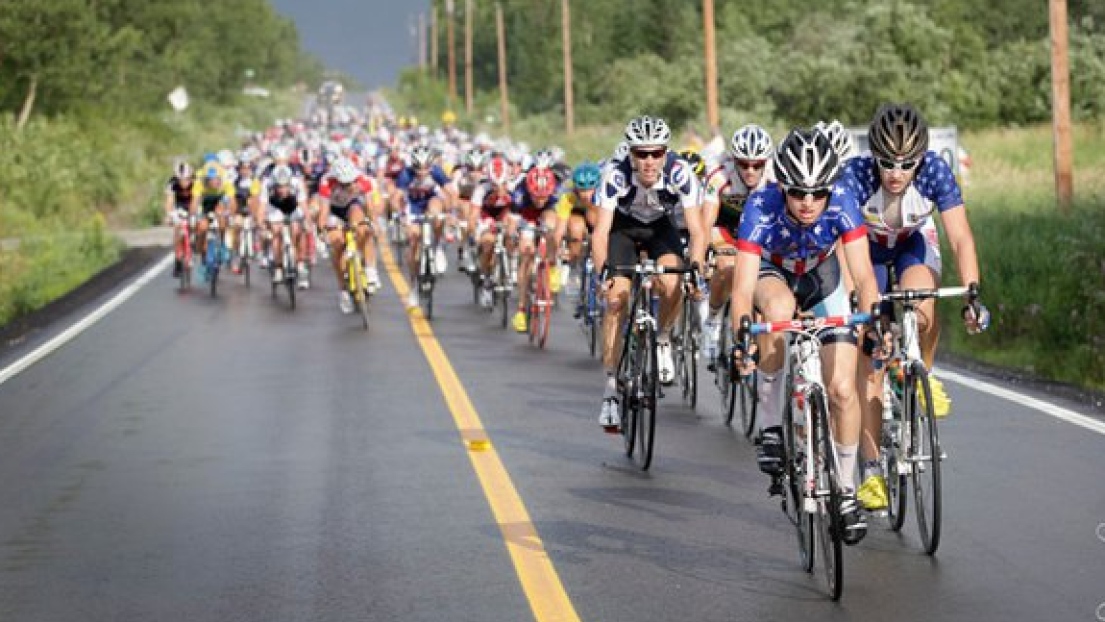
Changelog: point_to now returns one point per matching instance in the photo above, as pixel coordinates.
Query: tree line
(61, 56)
(964, 63)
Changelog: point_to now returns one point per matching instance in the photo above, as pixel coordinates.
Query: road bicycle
(539, 311)
(352, 265)
(589, 309)
(187, 231)
(215, 253)
(637, 372)
(288, 265)
(427, 268)
(686, 342)
(810, 481)
(910, 449)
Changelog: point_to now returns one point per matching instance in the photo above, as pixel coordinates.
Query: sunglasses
(802, 193)
(904, 165)
(649, 154)
(754, 165)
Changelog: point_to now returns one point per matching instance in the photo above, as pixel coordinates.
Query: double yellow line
(543, 589)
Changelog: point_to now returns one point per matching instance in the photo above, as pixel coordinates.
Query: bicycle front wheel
(426, 283)
(924, 456)
(746, 397)
(893, 445)
(647, 393)
(830, 525)
(542, 303)
(794, 476)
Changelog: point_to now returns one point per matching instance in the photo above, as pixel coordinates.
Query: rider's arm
(858, 255)
(745, 275)
(601, 238)
(962, 241)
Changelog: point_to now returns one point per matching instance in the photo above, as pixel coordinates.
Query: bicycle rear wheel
(214, 253)
(627, 378)
(794, 476)
(542, 302)
(426, 283)
(830, 525)
(924, 456)
(647, 394)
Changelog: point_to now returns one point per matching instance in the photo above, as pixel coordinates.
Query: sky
(370, 40)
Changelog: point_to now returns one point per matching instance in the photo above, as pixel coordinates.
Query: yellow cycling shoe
(520, 324)
(941, 403)
(872, 494)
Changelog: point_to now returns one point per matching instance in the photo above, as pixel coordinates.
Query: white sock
(771, 403)
(664, 337)
(611, 387)
(847, 456)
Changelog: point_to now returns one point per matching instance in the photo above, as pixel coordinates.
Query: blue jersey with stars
(767, 230)
(892, 219)
(420, 191)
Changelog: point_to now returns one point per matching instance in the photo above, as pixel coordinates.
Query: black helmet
(898, 132)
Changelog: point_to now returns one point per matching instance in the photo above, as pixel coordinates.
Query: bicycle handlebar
(806, 324)
(909, 295)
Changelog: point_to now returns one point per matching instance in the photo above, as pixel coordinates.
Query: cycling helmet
(540, 182)
(475, 159)
(210, 157)
(839, 136)
(527, 162)
(345, 171)
(805, 160)
(282, 175)
(698, 165)
(498, 170)
(751, 142)
(448, 117)
(543, 158)
(227, 159)
(647, 131)
(281, 153)
(421, 157)
(586, 176)
(184, 170)
(898, 132)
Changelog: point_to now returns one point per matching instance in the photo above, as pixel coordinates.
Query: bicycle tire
(897, 483)
(542, 302)
(426, 283)
(747, 396)
(723, 373)
(213, 266)
(648, 393)
(504, 293)
(924, 457)
(794, 468)
(245, 270)
(627, 379)
(830, 524)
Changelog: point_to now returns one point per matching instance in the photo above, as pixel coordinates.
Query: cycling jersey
(420, 190)
(341, 199)
(725, 188)
(767, 230)
(622, 191)
(245, 189)
(182, 197)
(526, 207)
(569, 204)
(211, 197)
(493, 203)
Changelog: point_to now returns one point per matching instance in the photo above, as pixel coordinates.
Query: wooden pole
(711, 66)
(566, 27)
(468, 11)
(422, 42)
(450, 14)
(433, 41)
(504, 98)
(1060, 105)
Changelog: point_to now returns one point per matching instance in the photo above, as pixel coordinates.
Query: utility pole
(433, 41)
(566, 27)
(450, 14)
(468, 11)
(711, 66)
(504, 99)
(1060, 105)
(422, 42)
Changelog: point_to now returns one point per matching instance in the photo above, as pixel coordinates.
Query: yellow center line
(540, 582)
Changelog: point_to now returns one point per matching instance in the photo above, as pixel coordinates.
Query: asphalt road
(196, 459)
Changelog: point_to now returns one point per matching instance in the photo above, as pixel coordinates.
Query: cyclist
(466, 177)
(421, 189)
(494, 203)
(246, 190)
(216, 196)
(180, 202)
(576, 214)
(284, 200)
(344, 192)
(898, 188)
(636, 198)
(534, 206)
(744, 169)
(787, 262)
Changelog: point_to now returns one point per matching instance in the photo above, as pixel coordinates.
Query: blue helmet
(586, 176)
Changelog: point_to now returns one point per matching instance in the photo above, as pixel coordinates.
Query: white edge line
(68, 334)
(1058, 412)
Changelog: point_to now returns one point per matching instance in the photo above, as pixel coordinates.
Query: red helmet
(498, 170)
(540, 182)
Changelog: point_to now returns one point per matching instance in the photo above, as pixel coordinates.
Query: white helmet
(839, 136)
(806, 160)
(647, 131)
(183, 170)
(621, 152)
(281, 153)
(227, 159)
(282, 175)
(751, 142)
(544, 158)
(345, 171)
(421, 157)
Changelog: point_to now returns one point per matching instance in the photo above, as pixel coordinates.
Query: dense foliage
(968, 64)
